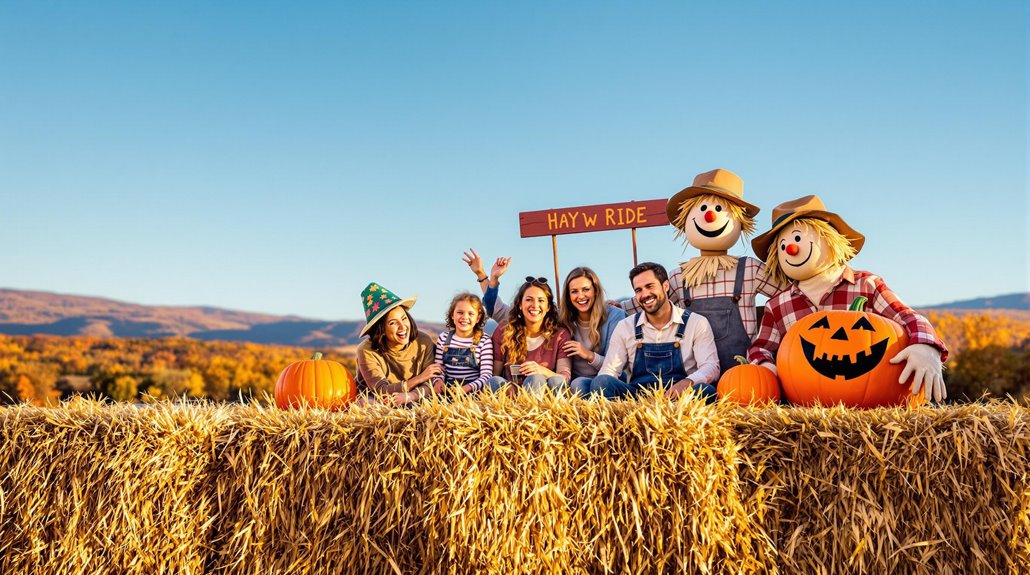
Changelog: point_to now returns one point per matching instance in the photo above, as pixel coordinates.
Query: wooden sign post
(598, 218)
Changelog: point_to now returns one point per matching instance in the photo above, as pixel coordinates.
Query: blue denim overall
(656, 362)
(457, 357)
(723, 314)
(652, 363)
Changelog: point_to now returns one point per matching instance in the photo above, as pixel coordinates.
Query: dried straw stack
(933, 491)
(526, 485)
(106, 489)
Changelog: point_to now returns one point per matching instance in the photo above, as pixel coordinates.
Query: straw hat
(722, 183)
(378, 301)
(806, 207)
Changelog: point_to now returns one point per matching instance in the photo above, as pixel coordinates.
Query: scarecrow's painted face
(802, 252)
(710, 226)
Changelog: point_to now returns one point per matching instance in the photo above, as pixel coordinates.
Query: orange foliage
(990, 353)
(32, 367)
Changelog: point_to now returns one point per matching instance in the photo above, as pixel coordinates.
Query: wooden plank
(597, 218)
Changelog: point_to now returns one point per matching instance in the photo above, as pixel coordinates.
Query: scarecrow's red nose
(792, 249)
(709, 217)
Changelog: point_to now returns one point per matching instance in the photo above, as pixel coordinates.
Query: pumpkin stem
(858, 303)
(740, 359)
(317, 356)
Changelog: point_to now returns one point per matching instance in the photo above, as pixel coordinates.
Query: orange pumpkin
(838, 356)
(315, 383)
(748, 384)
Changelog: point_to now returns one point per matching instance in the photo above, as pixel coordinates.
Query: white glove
(923, 363)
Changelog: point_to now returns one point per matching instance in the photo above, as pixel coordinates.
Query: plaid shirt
(784, 310)
(756, 281)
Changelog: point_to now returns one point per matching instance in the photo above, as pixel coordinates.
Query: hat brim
(407, 303)
(760, 245)
(672, 207)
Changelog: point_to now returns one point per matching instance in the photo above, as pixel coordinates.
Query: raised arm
(473, 261)
(496, 308)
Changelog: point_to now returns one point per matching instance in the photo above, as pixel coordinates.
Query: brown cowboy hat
(722, 183)
(806, 207)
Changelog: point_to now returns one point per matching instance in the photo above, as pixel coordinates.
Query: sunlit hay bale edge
(929, 490)
(514, 485)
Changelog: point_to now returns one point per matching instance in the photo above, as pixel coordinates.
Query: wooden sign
(599, 218)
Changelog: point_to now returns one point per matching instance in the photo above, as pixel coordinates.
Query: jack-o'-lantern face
(710, 225)
(842, 356)
(846, 348)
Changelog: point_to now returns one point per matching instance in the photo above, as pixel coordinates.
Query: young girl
(529, 346)
(591, 320)
(583, 311)
(464, 353)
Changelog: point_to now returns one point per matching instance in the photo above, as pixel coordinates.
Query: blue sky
(277, 157)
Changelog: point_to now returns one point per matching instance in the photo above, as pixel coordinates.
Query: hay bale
(514, 485)
(931, 491)
(498, 485)
(93, 488)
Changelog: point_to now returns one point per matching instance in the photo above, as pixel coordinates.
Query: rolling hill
(25, 312)
(35, 312)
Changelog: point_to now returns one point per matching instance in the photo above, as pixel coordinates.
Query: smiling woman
(396, 360)
(530, 345)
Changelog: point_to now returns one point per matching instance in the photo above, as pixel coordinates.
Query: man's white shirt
(697, 347)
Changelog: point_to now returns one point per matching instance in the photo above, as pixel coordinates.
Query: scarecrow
(711, 215)
(809, 247)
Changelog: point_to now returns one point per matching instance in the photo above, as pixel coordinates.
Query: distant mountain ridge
(24, 312)
(1014, 301)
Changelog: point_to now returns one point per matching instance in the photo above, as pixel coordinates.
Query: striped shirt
(756, 281)
(484, 354)
(786, 309)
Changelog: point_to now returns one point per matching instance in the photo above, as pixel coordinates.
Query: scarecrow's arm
(919, 330)
(770, 333)
(766, 284)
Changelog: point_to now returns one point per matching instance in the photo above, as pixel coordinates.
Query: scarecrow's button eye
(863, 323)
(824, 322)
(704, 207)
(797, 239)
(718, 208)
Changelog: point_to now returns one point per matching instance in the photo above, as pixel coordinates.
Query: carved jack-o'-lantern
(844, 357)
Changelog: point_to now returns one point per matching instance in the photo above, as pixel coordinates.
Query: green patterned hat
(378, 301)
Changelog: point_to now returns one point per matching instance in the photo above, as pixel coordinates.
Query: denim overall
(724, 316)
(457, 357)
(657, 361)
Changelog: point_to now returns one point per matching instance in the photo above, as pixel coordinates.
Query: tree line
(44, 369)
(990, 354)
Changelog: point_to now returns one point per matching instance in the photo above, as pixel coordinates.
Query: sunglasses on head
(533, 280)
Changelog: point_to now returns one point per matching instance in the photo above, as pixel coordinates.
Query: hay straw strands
(531, 484)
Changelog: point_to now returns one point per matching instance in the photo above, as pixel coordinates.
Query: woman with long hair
(584, 312)
(591, 322)
(529, 347)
